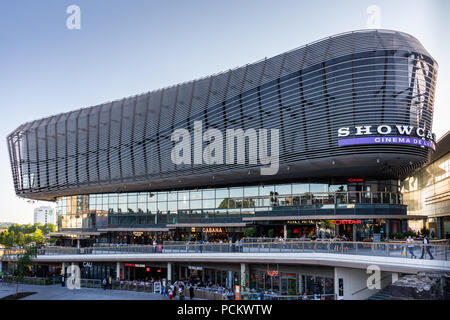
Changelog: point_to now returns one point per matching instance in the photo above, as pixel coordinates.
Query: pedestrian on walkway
(104, 284)
(170, 294)
(425, 245)
(411, 247)
(191, 292)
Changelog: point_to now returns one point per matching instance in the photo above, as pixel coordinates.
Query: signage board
(376, 237)
(339, 222)
(157, 287)
(237, 292)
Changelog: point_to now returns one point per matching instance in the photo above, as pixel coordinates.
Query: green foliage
(20, 239)
(249, 232)
(410, 234)
(424, 231)
(21, 235)
(24, 262)
(289, 234)
(291, 292)
(270, 233)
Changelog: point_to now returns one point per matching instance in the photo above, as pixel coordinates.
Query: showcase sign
(408, 135)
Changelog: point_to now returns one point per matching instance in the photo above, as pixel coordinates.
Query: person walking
(191, 292)
(181, 292)
(104, 284)
(170, 294)
(411, 247)
(425, 245)
(110, 282)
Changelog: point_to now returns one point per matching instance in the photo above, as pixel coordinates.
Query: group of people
(172, 290)
(426, 248)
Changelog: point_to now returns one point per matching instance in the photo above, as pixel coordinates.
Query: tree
(249, 232)
(20, 239)
(37, 236)
(24, 264)
(47, 228)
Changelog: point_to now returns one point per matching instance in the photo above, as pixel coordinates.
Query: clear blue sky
(129, 47)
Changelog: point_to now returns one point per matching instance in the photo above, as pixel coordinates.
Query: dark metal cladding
(357, 78)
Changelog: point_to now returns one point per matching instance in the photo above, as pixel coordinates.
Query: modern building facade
(352, 114)
(427, 192)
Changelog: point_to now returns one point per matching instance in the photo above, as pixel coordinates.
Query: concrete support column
(388, 228)
(179, 272)
(1, 266)
(186, 273)
(78, 243)
(439, 223)
(285, 231)
(230, 279)
(394, 276)
(354, 233)
(203, 274)
(63, 271)
(244, 274)
(300, 284)
(118, 267)
(169, 271)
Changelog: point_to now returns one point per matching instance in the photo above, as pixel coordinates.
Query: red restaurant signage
(272, 273)
(339, 222)
(355, 180)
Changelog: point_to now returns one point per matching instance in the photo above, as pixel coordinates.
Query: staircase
(383, 294)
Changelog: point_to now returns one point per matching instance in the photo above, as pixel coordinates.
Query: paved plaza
(57, 292)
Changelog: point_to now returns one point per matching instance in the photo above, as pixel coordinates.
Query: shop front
(209, 234)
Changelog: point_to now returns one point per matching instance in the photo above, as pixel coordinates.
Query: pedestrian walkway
(57, 292)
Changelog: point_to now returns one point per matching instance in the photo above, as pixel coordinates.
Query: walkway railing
(385, 249)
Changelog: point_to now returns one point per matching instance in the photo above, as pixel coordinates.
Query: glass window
(236, 192)
(195, 195)
(222, 193)
(162, 206)
(196, 204)
(132, 197)
(266, 190)
(337, 187)
(172, 196)
(298, 188)
(123, 198)
(162, 196)
(251, 191)
(319, 187)
(208, 203)
(142, 197)
(283, 189)
(152, 197)
(172, 206)
(209, 194)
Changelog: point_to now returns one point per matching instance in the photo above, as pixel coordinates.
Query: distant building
(44, 215)
(427, 192)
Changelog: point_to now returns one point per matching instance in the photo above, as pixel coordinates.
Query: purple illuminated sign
(387, 140)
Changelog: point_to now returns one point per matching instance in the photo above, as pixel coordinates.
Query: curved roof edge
(413, 43)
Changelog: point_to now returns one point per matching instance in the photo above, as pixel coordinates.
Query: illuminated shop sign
(135, 265)
(212, 230)
(339, 222)
(355, 180)
(272, 273)
(412, 135)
